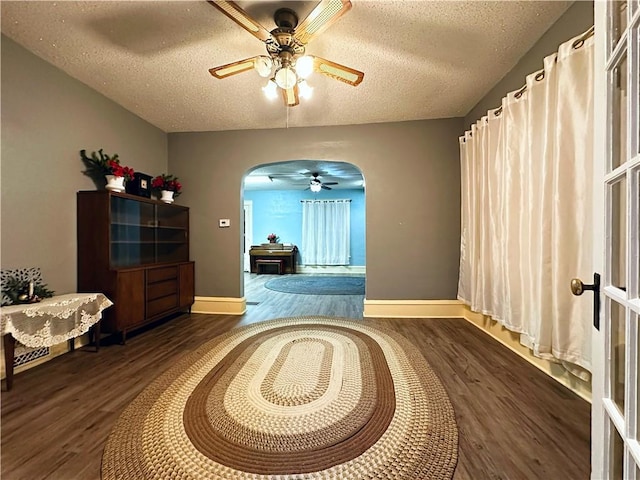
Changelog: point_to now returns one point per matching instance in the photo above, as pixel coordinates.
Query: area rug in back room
(318, 284)
(293, 398)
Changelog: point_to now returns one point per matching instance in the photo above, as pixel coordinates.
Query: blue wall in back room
(280, 212)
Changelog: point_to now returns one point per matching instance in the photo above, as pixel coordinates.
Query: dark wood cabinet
(128, 304)
(136, 251)
(187, 284)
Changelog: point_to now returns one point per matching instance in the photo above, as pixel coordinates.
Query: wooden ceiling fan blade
(224, 71)
(325, 187)
(238, 15)
(337, 71)
(321, 17)
(290, 96)
(330, 183)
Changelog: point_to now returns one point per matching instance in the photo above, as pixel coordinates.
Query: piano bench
(265, 262)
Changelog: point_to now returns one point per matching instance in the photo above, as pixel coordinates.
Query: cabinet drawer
(161, 289)
(160, 274)
(160, 305)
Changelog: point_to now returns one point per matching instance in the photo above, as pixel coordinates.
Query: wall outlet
(224, 222)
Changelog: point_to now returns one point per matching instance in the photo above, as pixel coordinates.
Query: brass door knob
(577, 287)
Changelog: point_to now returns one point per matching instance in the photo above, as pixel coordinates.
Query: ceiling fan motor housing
(285, 41)
(285, 18)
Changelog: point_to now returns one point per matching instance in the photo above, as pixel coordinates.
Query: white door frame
(248, 232)
(616, 413)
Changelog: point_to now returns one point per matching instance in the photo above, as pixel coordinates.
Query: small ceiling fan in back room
(315, 184)
(286, 64)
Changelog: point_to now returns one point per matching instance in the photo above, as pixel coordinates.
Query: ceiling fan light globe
(270, 90)
(286, 78)
(315, 187)
(305, 90)
(304, 66)
(263, 66)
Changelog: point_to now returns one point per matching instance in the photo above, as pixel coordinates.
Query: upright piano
(286, 253)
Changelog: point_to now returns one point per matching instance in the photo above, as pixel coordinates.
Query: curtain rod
(579, 42)
(540, 75)
(330, 200)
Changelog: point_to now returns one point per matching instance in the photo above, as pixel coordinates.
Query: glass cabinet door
(132, 232)
(172, 242)
(145, 233)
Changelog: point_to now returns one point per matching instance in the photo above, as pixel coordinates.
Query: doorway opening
(279, 235)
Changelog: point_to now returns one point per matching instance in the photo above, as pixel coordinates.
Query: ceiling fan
(315, 184)
(286, 65)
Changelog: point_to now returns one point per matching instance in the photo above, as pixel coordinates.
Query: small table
(49, 322)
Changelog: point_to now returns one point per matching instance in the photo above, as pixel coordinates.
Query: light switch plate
(224, 222)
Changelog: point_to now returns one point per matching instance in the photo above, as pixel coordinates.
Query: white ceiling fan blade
(290, 96)
(238, 15)
(337, 71)
(224, 71)
(320, 18)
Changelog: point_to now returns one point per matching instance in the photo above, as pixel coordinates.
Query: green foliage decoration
(18, 291)
(98, 164)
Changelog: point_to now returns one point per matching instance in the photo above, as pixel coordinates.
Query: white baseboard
(386, 309)
(457, 309)
(342, 269)
(413, 308)
(220, 305)
(511, 340)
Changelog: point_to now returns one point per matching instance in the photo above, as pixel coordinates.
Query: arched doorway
(272, 198)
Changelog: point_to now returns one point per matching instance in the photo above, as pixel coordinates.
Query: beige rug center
(310, 397)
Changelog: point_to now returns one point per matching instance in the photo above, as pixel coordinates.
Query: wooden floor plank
(514, 421)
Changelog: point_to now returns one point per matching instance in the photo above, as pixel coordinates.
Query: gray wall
(411, 170)
(47, 118)
(412, 176)
(576, 20)
(412, 194)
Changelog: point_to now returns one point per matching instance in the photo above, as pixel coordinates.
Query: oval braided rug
(294, 398)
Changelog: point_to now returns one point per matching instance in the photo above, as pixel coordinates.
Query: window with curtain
(325, 232)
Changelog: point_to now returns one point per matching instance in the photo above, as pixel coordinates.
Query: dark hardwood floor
(514, 421)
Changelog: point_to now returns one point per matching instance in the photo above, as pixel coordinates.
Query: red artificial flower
(157, 182)
(167, 182)
(128, 172)
(119, 171)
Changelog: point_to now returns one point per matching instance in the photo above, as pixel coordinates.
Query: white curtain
(526, 209)
(325, 232)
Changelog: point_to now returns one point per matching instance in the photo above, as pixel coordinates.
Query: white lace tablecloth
(53, 320)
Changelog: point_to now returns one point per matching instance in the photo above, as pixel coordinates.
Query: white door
(616, 404)
(248, 232)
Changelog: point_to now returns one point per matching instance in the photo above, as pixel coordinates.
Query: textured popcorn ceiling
(422, 59)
